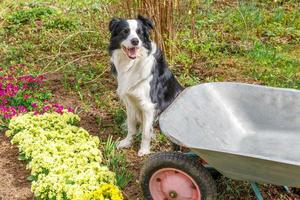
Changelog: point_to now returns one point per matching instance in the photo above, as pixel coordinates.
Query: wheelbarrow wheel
(174, 176)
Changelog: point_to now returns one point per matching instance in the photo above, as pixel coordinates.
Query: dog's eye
(138, 31)
(126, 31)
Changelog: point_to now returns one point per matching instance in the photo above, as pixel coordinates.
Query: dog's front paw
(124, 143)
(144, 151)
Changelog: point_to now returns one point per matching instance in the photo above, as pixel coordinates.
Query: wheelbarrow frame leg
(286, 188)
(256, 191)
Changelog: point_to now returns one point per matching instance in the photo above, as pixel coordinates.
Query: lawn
(66, 41)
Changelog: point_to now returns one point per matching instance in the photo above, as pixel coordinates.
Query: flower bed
(64, 159)
(21, 93)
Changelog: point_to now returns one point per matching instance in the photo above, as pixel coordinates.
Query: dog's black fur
(164, 86)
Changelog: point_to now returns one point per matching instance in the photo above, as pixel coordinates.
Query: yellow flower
(104, 192)
(64, 159)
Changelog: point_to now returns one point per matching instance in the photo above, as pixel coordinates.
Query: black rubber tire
(179, 161)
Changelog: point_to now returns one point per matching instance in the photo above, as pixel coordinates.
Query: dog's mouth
(131, 52)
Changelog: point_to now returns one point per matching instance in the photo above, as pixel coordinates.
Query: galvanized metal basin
(246, 132)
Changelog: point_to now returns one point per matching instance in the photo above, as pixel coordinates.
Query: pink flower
(13, 109)
(3, 108)
(58, 108)
(22, 109)
(26, 96)
(4, 101)
(24, 87)
(46, 108)
(9, 78)
(41, 78)
(12, 68)
(2, 93)
(7, 116)
(70, 109)
(36, 113)
(11, 90)
(34, 105)
(14, 113)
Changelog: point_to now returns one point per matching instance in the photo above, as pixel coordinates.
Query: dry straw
(162, 12)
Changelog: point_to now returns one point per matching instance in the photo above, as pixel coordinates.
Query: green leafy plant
(29, 15)
(116, 162)
(64, 159)
(61, 23)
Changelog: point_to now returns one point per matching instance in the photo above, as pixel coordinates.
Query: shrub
(64, 159)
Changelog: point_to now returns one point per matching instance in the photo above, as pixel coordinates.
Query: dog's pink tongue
(132, 52)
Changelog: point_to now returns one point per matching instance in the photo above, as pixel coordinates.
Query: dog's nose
(135, 41)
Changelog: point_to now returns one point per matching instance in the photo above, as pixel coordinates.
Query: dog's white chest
(134, 76)
(135, 92)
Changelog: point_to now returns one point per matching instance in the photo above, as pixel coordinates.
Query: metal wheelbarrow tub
(246, 132)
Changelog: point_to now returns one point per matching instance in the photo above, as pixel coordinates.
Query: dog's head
(130, 35)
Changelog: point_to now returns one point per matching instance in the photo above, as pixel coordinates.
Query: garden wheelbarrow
(245, 132)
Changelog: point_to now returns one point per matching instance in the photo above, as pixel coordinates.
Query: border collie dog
(145, 83)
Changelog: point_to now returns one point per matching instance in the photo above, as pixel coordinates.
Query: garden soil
(13, 173)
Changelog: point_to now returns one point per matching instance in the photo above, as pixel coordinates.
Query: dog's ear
(113, 24)
(147, 22)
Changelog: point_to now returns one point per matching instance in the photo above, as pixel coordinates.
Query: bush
(64, 159)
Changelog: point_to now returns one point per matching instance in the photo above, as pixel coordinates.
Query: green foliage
(29, 15)
(40, 17)
(262, 39)
(119, 116)
(276, 68)
(61, 23)
(162, 138)
(117, 163)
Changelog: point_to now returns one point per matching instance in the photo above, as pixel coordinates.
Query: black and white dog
(145, 84)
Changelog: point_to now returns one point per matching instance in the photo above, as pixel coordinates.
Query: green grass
(116, 161)
(245, 41)
(263, 40)
(21, 17)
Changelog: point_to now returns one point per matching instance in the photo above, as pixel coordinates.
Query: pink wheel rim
(173, 184)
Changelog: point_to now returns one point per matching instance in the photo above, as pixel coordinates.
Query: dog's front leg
(131, 126)
(148, 117)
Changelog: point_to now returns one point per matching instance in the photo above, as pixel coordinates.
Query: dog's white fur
(134, 76)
